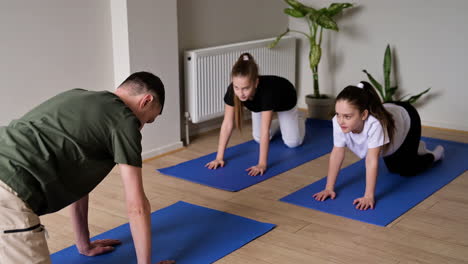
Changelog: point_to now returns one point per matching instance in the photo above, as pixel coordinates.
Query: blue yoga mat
(183, 232)
(318, 141)
(394, 194)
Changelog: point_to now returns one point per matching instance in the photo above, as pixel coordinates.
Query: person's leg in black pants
(406, 161)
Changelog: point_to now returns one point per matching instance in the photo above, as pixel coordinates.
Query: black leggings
(406, 161)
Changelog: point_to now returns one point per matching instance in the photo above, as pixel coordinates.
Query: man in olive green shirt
(60, 151)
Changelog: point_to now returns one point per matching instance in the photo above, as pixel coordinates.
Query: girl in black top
(262, 95)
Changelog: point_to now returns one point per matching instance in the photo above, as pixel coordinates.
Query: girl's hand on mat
(256, 170)
(167, 262)
(99, 247)
(323, 195)
(212, 165)
(364, 203)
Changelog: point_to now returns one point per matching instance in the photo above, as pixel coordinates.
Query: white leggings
(292, 127)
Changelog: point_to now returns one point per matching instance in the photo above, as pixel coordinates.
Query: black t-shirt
(273, 93)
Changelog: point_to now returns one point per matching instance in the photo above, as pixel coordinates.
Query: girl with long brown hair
(371, 129)
(262, 95)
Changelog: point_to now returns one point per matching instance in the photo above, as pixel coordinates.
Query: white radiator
(207, 72)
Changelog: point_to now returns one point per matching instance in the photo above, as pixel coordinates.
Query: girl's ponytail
(364, 97)
(377, 109)
(245, 67)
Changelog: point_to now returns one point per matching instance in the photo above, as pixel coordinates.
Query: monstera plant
(317, 20)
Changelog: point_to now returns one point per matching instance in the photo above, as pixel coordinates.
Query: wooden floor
(435, 231)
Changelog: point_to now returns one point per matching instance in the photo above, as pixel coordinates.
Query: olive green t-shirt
(59, 151)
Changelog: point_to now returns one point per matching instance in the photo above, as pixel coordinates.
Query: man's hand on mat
(99, 247)
(323, 195)
(256, 170)
(212, 165)
(167, 262)
(364, 203)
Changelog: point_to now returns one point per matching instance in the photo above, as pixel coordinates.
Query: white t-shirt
(373, 135)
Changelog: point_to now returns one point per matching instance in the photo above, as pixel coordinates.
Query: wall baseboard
(442, 125)
(196, 129)
(161, 150)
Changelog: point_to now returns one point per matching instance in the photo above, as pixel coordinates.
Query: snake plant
(387, 92)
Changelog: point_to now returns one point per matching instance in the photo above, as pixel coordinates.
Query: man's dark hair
(146, 82)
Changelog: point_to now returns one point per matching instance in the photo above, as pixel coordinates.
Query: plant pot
(320, 108)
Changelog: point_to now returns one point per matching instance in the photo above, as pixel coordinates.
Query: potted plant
(387, 91)
(317, 19)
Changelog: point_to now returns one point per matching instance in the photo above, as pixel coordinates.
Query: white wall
(50, 46)
(120, 45)
(153, 46)
(429, 38)
(208, 23)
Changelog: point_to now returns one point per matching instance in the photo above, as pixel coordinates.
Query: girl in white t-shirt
(371, 129)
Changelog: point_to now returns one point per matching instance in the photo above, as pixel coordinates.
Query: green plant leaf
(309, 10)
(275, 42)
(389, 94)
(387, 67)
(326, 22)
(313, 15)
(298, 6)
(414, 98)
(323, 11)
(314, 55)
(391, 91)
(336, 8)
(376, 84)
(294, 4)
(294, 12)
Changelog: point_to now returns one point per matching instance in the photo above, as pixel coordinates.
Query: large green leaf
(313, 15)
(391, 91)
(336, 8)
(309, 9)
(389, 94)
(387, 67)
(414, 98)
(294, 12)
(274, 43)
(376, 84)
(327, 22)
(299, 7)
(314, 55)
(294, 4)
